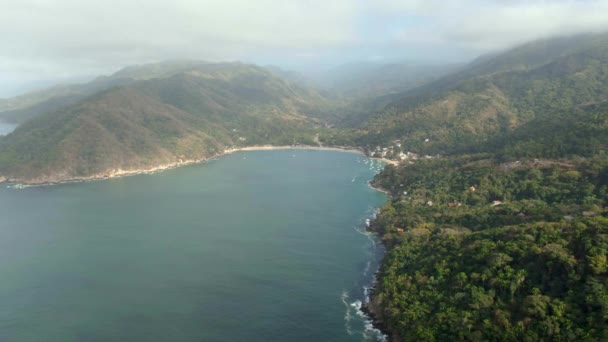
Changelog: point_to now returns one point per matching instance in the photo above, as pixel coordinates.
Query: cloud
(64, 38)
(492, 25)
(102, 33)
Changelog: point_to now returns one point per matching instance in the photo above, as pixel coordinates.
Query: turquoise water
(254, 246)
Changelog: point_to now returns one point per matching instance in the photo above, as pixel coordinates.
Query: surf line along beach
(114, 173)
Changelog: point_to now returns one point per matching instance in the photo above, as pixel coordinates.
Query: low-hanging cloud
(491, 25)
(45, 39)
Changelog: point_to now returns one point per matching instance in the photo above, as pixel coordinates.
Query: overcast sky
(53, 40)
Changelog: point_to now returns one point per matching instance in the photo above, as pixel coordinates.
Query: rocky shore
(372, 310)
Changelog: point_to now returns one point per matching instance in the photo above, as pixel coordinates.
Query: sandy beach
(57, 179)
(304, 147)
(288, 147)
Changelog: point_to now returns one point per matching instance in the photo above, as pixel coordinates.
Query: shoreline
(369, 307)
(118, 173)
(376, 322)
(382, 190)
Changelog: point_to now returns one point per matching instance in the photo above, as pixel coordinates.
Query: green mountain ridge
(490, 98)
(497, 226)
(189, 115)
(21, 108)
(503, 236)
(478, 108)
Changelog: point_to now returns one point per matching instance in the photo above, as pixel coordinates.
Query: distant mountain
(25, 107)
(148, 115)
(290, 75)
(365, 87)
(162, 115)
(494, 97)
(369, 80)
(359, 88)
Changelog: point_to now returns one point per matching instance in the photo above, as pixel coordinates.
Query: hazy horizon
(49, 42)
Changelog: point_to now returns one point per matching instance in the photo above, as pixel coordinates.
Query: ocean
(252, 246)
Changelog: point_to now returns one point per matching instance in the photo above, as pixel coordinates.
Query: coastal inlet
(256, 246)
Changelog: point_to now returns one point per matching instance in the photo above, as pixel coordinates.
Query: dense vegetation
(462, 265)
(23, 108)
(504, 236)
(497, 228)
(174, 115)
(504, 96)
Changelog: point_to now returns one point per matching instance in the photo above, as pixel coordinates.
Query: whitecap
(18, 186)
(348, 315)
(370, 332)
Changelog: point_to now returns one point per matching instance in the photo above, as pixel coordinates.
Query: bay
(253, 246)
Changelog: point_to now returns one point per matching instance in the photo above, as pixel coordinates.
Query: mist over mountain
(366, 79)
(493, 96)
(431, 109)
(485, 121)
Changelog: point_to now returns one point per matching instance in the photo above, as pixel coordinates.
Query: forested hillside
(25, 107)
(493, 97)
(172, 117)
(483, 250)
(497, 226)
(504, 236)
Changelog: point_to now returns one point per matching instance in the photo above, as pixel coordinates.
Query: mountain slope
(503, 237)
(119, 129)
(494, 97)
(22, 108)
(25, 107)
(11, 108)
(189, 115)
(369, 80)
